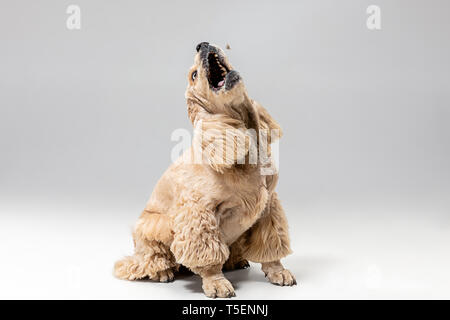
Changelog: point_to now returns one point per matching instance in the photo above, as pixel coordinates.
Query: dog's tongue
(221, 83)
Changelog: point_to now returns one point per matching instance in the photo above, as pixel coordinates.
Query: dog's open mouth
(216, 72)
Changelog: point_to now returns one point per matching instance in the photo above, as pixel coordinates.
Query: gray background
(86, 118)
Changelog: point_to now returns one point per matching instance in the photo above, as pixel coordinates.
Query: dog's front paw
(282, 278)
(218, 288)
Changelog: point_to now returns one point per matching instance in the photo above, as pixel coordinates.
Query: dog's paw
(282, 278)
(165, 276)
(219, 288)
(242, 264)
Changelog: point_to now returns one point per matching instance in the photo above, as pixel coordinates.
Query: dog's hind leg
(235, 260)
(152, 257)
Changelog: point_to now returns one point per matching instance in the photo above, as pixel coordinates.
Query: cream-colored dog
(214, 214)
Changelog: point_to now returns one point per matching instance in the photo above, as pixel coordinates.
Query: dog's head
(215, 87)
(217, 104)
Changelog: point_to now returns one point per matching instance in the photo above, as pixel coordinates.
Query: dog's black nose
(200, 45)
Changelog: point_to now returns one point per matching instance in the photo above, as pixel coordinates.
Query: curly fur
(216, 133)
(270, 231)
(220, 212)
(150, 258)
(197, 240)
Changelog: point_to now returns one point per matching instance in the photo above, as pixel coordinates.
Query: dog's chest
(243, 208)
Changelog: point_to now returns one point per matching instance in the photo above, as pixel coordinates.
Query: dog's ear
(219, 139)
(267, 123)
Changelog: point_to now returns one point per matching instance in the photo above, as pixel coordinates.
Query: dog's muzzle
(219, 73)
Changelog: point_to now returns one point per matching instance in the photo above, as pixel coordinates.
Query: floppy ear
(219, 139)
(266, 122)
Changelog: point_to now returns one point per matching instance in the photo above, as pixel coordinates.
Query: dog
(214, 215)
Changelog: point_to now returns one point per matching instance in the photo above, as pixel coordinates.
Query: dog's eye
(194, 75)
